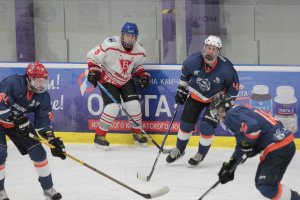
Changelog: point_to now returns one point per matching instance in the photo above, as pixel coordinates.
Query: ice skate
(3, 195)
(174, 155)
(196, 159)
(52, 194)
(101, 142)
(139, 139)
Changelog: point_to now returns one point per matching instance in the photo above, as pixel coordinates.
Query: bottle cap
(260, 89)
(286, 91)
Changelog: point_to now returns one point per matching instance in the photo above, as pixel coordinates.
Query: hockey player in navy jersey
(114, 63)
(257, 132)
(19, 95)
(205, 74)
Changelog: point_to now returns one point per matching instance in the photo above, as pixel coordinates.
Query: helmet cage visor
(128, 40)
(38, 85)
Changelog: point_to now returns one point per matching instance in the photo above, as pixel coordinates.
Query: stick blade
(160, 192)
(142, 177)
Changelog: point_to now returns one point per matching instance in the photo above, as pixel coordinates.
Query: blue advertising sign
(77, 105)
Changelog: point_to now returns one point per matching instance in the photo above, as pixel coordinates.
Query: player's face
(129, 38)
(210, 53)
(218, 113)
(221, 113)
(39, 85)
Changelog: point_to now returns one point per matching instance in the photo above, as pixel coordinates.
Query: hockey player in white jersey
(114, 63)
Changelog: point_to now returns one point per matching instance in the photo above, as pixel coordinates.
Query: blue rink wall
(77, 105)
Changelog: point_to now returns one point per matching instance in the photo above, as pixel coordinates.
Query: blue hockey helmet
(130, 28)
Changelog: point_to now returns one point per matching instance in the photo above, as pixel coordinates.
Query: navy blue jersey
(205, 82)
(257, 128)
(14, 96)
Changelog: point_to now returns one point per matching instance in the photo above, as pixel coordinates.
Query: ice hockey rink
(76, 182)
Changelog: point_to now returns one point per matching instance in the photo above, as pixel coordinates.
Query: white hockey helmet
(213, 40)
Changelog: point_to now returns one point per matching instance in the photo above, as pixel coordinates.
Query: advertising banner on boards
(77, 105)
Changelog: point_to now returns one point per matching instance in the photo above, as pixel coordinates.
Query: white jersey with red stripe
(118, 66)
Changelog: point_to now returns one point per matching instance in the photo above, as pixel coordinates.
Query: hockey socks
(3, 156)
(108, 116)
(2, 176)
(204, 144)
(39, 158)
(183, 139)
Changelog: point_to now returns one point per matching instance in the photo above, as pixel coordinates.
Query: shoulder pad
(110, 42)
(138, 48)
(225, 60)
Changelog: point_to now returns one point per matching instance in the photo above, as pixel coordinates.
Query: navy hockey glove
(59, 148)
(94, 75)
(181, 95)
(22, 124)
(144, 79)
(249, 149)
(224, 174)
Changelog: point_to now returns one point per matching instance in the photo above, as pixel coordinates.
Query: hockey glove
(59, 148)
(94, 75)
(181, 95)
(224, 174)
(249, 149)
(144, 79)
(21, 123)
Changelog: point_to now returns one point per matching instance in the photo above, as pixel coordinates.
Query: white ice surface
(76, 182)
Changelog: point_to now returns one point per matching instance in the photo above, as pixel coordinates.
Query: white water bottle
(285, 107)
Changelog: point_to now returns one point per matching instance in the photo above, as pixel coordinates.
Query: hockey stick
(147, 178)
(155, 194)
(241, 160)
(101, 87)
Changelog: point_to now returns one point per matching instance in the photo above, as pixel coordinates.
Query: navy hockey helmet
(130, 29)
(37, 77)
(220, 100)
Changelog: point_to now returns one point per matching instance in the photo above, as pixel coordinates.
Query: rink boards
(77, 105)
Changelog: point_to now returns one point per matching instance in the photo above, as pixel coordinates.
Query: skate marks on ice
(76, 182)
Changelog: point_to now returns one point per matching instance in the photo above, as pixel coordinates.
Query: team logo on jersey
(204, 84)
(125, 64)
(279, 134)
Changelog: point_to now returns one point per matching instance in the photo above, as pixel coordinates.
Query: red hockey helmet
(36, 70)
(37, 76)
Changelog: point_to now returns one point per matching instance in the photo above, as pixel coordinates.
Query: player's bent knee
(3, 155)
(112, 108)
(133, 107)
(206, 128)
(186, 126)
(268, 191)
(37, 153)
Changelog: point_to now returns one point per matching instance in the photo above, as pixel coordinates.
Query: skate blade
(140, 144)
(192, 166)
(101, 147)
(48, 198)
